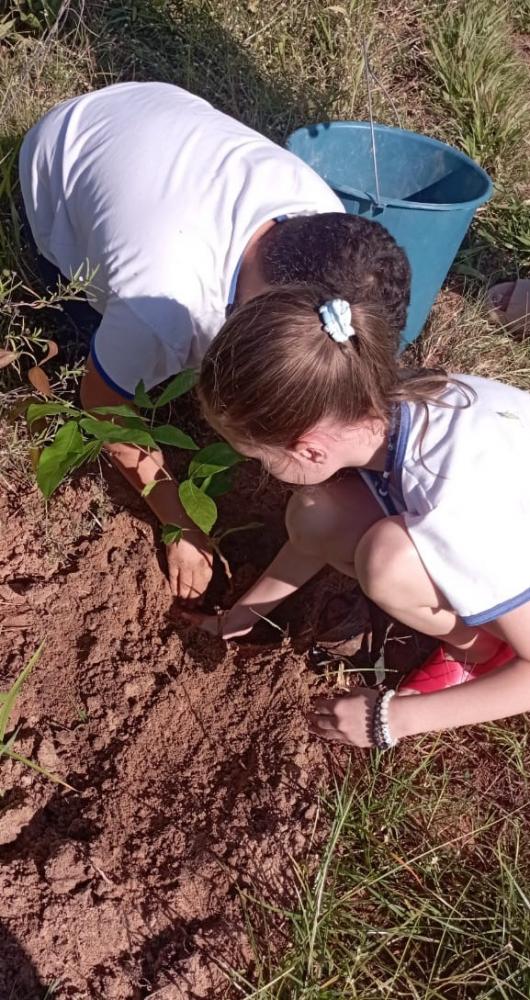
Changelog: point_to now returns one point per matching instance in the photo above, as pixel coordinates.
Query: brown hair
(272, 372)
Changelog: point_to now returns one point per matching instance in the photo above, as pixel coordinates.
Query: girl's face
(321, 453)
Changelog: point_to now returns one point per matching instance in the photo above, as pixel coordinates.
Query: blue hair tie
(335, 315)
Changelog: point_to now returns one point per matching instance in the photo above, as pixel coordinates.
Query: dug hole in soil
(196, 777)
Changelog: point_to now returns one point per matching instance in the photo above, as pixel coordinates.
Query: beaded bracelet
(381, 734)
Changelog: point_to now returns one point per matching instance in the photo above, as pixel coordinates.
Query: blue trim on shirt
(102, 373)
(403, 437)
(500, 609)
(401, 448)
(233, 284)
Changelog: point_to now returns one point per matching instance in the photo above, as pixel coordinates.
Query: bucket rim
(428, 140)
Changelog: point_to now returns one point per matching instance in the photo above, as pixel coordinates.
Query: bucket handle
(378, 203)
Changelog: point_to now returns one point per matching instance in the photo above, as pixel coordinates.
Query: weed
(51, 990)
(481, 83)
(506, 227)
(7, 704)
(410, 897)
(460, 338)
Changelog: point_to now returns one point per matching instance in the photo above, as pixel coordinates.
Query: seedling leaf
(166, 434)
(59, 457)
(217, 485)
(200, 507)
(171, 533)
(141, 398)
(118, 411)
(179, 385)
(107, 431)
(213, 459)
(36, 411)
(88, 453)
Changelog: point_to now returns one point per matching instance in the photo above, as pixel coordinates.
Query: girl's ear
(310, 451)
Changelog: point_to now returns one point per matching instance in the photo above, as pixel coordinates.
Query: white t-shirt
(462, 483)
(162, 193)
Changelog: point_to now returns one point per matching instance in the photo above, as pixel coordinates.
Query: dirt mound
(196, 777)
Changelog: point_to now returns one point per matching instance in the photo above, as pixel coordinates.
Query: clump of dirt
(195, 775)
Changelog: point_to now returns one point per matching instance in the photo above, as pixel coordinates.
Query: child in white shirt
(416, 484)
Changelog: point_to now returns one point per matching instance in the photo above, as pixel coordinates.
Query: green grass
(422, 890)
(481, 83)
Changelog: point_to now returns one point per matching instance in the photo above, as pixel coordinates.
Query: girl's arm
(286, 574)
(498, 695)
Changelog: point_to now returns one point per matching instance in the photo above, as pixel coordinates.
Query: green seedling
(82, 714)
(77, 437)
(7, 703)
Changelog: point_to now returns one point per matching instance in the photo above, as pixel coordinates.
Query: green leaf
(9, 697)
(88, 453)
(220, 483)
(36, 411)
(110, 433)
(141, 398)
(59, 457)
(119, 411)
(179, 385)
(166, 434)
(213, 459)
(171, 533)
(200, 507)
(149, 487)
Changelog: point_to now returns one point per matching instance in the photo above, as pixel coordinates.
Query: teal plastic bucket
(428, 194)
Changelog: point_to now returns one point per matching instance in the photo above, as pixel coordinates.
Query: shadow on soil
(19, 979)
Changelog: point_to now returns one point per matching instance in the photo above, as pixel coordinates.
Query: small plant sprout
(77, 437)
(7, 703)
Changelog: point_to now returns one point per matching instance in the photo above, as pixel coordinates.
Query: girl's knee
(384, 558)
(309, 519)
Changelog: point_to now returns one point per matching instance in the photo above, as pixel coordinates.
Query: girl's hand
(347, 719)
(223, 626)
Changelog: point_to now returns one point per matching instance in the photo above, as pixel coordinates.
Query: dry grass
(460, 338)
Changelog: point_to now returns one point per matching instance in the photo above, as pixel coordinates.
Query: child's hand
(223, 626)
(189, 565)
(347, 719)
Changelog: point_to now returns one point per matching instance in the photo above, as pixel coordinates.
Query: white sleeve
(141, 340)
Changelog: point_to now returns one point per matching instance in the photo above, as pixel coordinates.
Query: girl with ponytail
(415, 484)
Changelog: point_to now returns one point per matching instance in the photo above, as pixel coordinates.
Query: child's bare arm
(189, 561)
(498, 695)
(285, 574)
